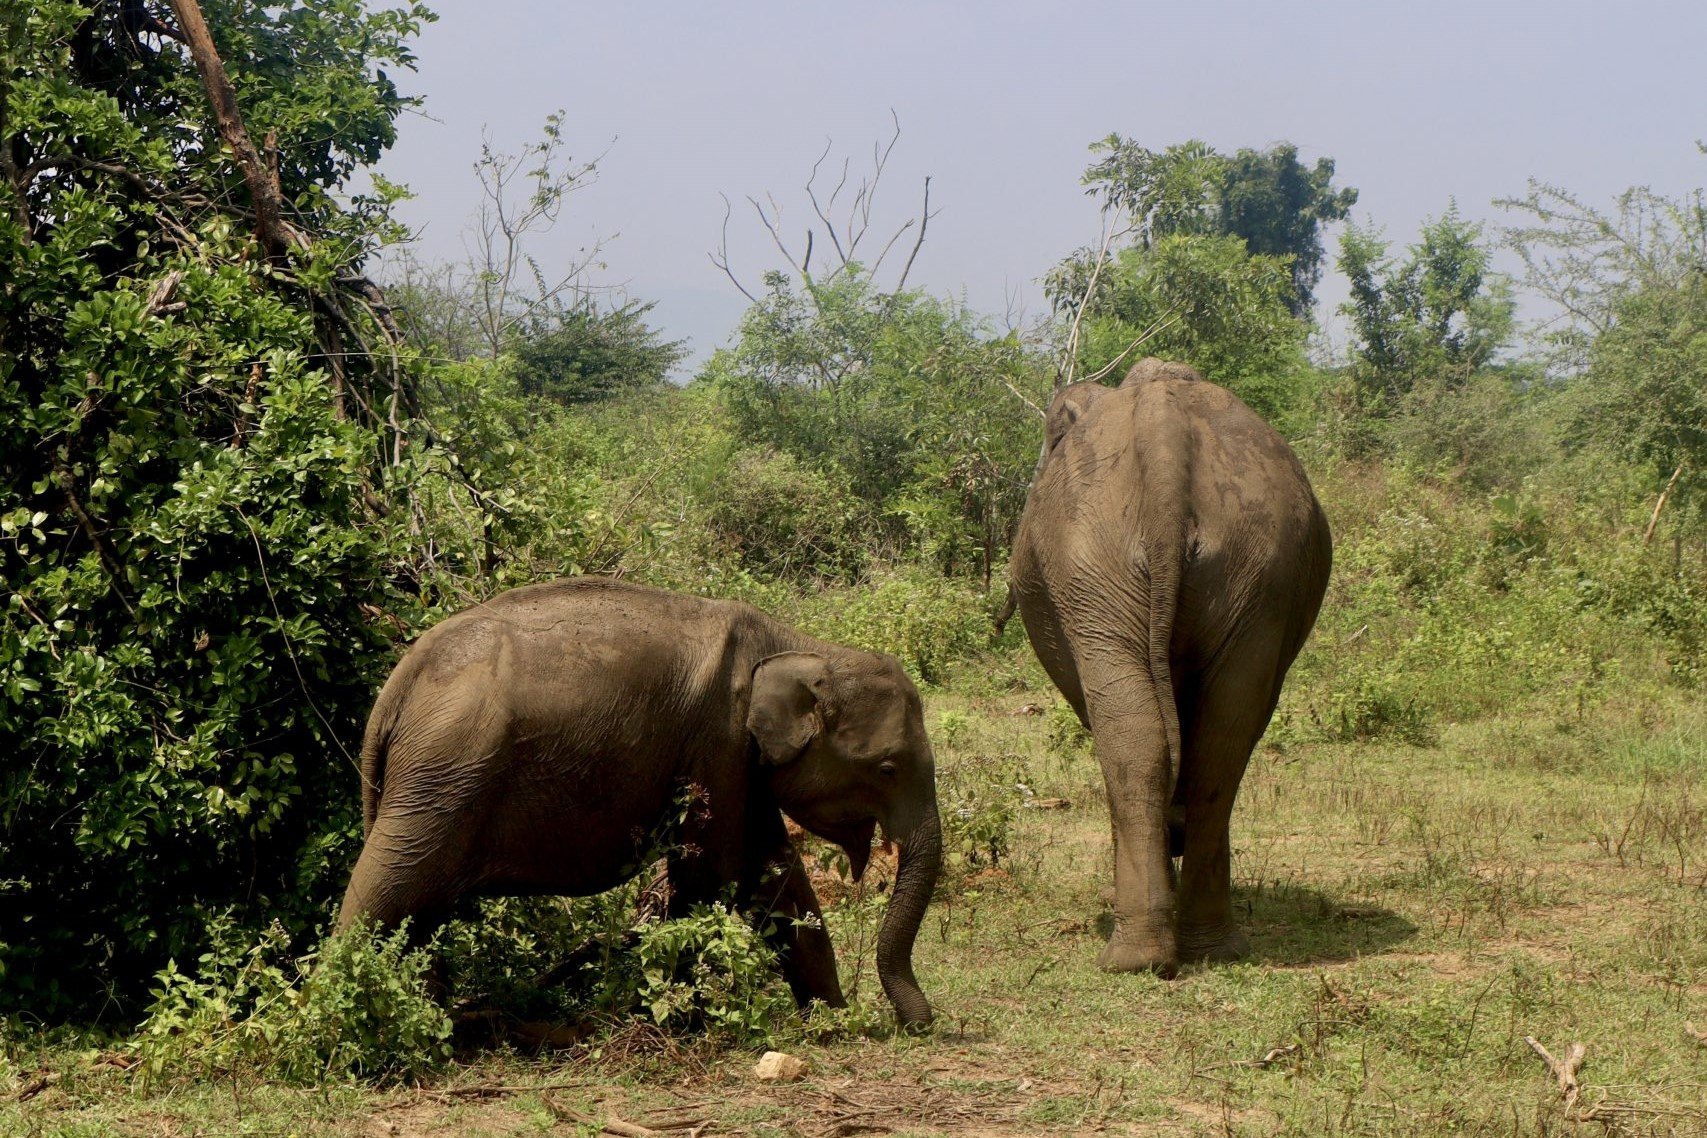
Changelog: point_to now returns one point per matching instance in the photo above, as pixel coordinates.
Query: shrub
(1066, 735)
(979, 797)
(356, 1008)
(205, 489)
(711, 969)
(787, 520)
(925, 621)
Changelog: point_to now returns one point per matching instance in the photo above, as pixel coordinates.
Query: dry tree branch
(1070, 355)
(720, 257)
(772, 227)
(924, 222)
(1018, 394)
(1654, 518)
(1563, 1071)
(812, 196)
(264, 191)
(1167, 321)
(867, 195)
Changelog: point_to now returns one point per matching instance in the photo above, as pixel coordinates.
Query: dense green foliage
(202, 557)
(904, 397)
(1272, 203)
(1436, 318)
(227, 496)
(357, 1007)
(1220, 272)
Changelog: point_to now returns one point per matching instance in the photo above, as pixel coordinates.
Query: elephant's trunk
(915, 881)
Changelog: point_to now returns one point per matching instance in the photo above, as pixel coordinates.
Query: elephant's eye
(887, 767)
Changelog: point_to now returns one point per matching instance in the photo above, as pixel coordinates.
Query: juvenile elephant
(1169, 565)
(534, 743)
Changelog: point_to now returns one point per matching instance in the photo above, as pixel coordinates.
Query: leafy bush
(926, 621)
(1067, 736)
(358, 1007)
(1365, 707)
(710, 970)
(203, 504)
(979, 797)
(786, 520)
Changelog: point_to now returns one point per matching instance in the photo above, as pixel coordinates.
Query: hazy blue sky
(1418, 103)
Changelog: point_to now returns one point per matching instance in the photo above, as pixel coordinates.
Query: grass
(1416, 912)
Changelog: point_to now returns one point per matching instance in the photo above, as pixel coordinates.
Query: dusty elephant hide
(1169, 566)
(537, 743)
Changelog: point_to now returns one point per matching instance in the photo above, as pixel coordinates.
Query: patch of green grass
(1416, 912)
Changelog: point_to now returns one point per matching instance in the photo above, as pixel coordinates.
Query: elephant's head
(843, 736)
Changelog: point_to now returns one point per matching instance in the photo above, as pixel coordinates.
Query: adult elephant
(1168, 567)
(535, 743)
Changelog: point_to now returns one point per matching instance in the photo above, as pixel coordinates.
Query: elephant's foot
(1215, 945)
(1155, 954)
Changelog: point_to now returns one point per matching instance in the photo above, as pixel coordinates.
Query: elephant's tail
(376, 743)
(1167, 566)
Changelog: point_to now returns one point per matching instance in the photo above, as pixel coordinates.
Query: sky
(1419, 105)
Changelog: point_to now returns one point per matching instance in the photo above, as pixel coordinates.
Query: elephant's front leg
(796, 925)
(1132, 748)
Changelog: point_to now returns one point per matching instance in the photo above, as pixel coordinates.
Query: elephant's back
(582, 636)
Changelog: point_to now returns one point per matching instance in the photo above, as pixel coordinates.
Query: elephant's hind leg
(402, 874)
(1132, 748)
(1229, 716)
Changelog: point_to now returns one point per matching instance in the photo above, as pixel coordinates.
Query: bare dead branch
(890, 244)
(264, 192)
(1070, 355)
(1167, 321)
(771, 227)
(868, 189)
(924, 223)
(812, 196)
(1564, 1071)
(1020, 395)
(720, 257)
(160, 296)
(1654, 518)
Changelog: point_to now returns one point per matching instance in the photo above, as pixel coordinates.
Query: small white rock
(776, 1067)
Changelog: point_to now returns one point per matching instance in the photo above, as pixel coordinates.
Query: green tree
(1201, 299)
(1279, 206)
(206, 472)
(1267, 198)
(1437, 317)
(907, 398)
(582, 353)
(505, 301)
(1629, 342)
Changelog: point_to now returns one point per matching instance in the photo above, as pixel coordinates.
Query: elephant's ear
(1064, 410)
(790, 695)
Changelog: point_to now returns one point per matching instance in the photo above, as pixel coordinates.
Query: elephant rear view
(1169, 565)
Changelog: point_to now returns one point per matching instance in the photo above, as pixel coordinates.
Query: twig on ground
(618, 1126)
(494, 1090)
(1563, 1070)
(1268, 1059)
(37, 1085)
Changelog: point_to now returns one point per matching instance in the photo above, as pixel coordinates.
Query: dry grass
(1416, 913)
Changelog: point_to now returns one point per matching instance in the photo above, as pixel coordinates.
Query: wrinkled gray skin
(1169, 565)
(534, 743)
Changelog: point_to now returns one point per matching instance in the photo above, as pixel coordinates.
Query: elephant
(1169, 564)
(535, 743)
